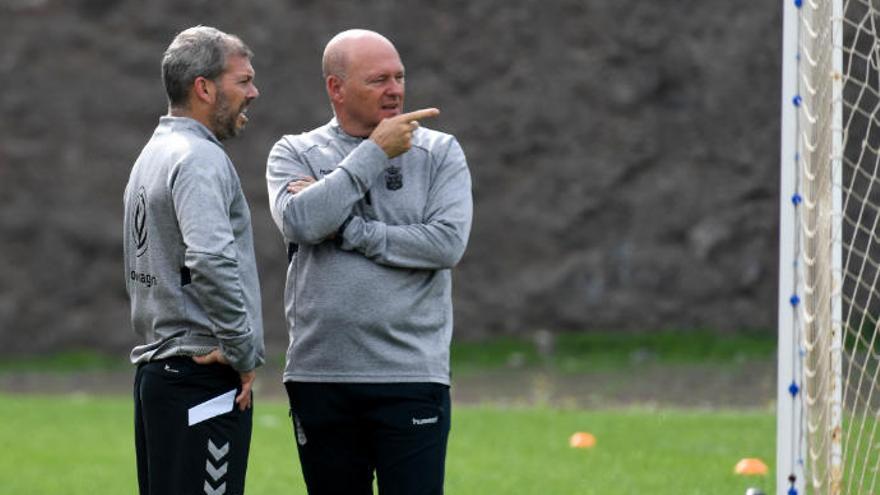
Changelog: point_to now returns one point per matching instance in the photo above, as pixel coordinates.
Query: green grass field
(83, 445)
(579, 352)
(573, 352)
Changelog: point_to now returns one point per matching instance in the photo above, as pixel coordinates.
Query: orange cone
(751, 467)
(582, 440)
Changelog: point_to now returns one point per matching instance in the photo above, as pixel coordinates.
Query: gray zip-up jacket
(190, 269)
(369, 288)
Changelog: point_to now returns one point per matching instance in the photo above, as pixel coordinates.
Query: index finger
(419, 114)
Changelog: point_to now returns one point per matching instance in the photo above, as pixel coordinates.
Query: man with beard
(376, 211)
(191, 276)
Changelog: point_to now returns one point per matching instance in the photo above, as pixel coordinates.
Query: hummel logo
(425, 421)
(169, 369)
(210, 490)
(216, 473)
(217, 453)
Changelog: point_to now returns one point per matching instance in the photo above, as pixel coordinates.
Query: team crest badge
(393, 178)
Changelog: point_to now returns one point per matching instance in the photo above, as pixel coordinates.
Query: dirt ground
(746, 385)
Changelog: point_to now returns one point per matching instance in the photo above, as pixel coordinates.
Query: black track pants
(188, 439)
(345, 432)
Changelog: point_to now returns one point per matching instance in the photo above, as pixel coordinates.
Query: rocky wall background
(624, 153)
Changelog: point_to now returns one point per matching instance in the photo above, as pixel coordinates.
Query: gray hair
(199, 51)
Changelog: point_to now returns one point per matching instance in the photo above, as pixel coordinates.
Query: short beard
(224, 120)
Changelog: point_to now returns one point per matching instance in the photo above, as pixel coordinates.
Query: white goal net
(829, 356)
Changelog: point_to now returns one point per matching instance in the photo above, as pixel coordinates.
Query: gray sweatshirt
(369, 289)
(190, 269)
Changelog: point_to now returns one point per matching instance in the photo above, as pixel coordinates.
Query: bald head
(344, 47)
(364, 78)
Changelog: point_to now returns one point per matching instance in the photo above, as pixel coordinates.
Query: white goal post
(828, 422)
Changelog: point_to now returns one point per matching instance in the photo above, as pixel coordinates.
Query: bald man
(376, 211)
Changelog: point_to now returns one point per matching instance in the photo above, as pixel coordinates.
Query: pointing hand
(394, 135)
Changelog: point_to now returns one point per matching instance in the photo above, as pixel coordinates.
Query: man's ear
(335, 89)
(205, 90)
